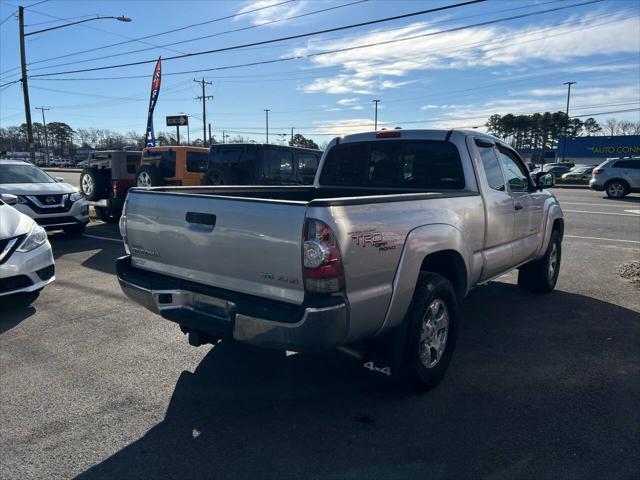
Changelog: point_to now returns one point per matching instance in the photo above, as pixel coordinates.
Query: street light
(23, 65)
(566, 121)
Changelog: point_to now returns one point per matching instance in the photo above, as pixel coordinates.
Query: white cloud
(270, 14)
(347, 126)
(365, 69)
(347, 101)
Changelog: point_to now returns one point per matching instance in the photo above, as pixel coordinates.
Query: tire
(538, 276)
(106, 215)
(74, 231)
(425, 361)
(92, 184)
(616, 188)
(149, 176)
(218, 176)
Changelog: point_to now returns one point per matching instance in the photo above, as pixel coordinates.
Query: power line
(316, 54)
(192, 39)
(280, 39)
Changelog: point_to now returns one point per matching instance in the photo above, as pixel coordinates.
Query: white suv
(618, 177)
(52, 204)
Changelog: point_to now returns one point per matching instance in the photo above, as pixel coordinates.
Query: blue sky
(436, 79)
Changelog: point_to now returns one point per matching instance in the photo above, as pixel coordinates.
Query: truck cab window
(492, 168)
(516, 176)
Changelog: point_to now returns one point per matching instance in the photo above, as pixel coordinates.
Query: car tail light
(122, 224)
(322, 262)
(598, 171)
(389, 134)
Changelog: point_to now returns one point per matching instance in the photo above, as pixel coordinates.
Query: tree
(591, 126)
(300, 140)
(611, 126)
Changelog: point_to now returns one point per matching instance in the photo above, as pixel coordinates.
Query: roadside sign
(177, 120)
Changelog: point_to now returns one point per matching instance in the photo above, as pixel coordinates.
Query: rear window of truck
(415, 164)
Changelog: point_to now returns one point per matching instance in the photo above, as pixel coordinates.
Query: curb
(62, 170)
(577, 187)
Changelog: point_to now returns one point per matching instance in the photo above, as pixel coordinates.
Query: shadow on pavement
(540, 387)
(628, 199)
(14, 309)
(107, 250)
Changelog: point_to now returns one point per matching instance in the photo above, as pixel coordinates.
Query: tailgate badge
(145, 251)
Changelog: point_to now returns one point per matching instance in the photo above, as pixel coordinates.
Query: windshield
(23, 174)
(415, 164)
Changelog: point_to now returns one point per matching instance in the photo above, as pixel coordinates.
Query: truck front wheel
(541, 275)
(431, 331)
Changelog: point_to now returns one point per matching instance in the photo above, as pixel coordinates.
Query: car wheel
(74, 231)
(541, 276)
(149, 176)
(616, 189)
(106, 215)
(216, 176)
(91, 184)
(432, 329)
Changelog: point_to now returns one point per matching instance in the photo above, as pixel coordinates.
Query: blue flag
(150, 139)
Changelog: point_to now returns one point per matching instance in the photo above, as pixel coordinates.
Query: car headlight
(75, 196)
(37, 236)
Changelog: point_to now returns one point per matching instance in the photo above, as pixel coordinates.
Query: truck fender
(420, 243)
(553, 213)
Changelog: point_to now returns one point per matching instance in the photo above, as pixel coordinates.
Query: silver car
(617, 177)
(26, 262)
(51, 203)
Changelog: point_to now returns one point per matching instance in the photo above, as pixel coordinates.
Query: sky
(447, 69)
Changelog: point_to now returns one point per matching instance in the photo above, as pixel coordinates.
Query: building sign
(601, 147)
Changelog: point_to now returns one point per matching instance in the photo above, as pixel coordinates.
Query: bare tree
(611, 126)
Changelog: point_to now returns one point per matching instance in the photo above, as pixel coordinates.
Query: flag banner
(150, 139)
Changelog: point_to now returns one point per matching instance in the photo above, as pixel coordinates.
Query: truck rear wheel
(92, 184)
(432, 330)
(149, 176)
(541, 275)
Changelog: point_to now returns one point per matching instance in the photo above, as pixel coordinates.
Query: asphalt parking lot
(94, 386)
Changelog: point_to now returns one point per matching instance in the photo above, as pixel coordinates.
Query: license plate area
(215, 308)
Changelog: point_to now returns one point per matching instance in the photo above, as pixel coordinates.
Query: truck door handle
(199, 218)
(518, 206)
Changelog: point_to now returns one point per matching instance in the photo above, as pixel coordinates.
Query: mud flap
(385, 354)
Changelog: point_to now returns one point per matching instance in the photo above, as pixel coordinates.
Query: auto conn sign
(619, 146)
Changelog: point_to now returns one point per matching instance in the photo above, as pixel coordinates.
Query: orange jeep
(175, 165)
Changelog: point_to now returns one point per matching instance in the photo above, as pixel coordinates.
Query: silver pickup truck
(372, 259)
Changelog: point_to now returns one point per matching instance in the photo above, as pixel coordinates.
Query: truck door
(528, 206)
(499, 212)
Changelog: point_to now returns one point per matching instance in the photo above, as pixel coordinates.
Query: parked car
(578, 174)
(26, 261)
(176, 165)
(258, 164)
(53, 204)
(373, 258)
(105, 180)
(555, 169)
(617, 177)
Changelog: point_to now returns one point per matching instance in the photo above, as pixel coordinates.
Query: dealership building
(591, 150)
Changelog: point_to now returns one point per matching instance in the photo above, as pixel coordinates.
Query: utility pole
(46, 139)
(566, 122)
(25, 88)
(224, 134)
(204, 97)
(376, 115)
(209, 133)
(292, 135)
(266, 111)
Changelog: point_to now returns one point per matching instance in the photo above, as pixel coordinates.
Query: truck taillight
(122, 224)
(322, 262)
(598, 171)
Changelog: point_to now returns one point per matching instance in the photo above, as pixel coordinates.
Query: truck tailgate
(244, 245)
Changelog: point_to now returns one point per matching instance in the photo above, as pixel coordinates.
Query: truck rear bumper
(225, 314)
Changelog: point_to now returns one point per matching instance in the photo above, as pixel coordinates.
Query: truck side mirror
(545, 180)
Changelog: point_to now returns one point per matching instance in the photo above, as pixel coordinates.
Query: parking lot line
(102, 238)
(593, 204)
(600, 238)
(603, 213)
